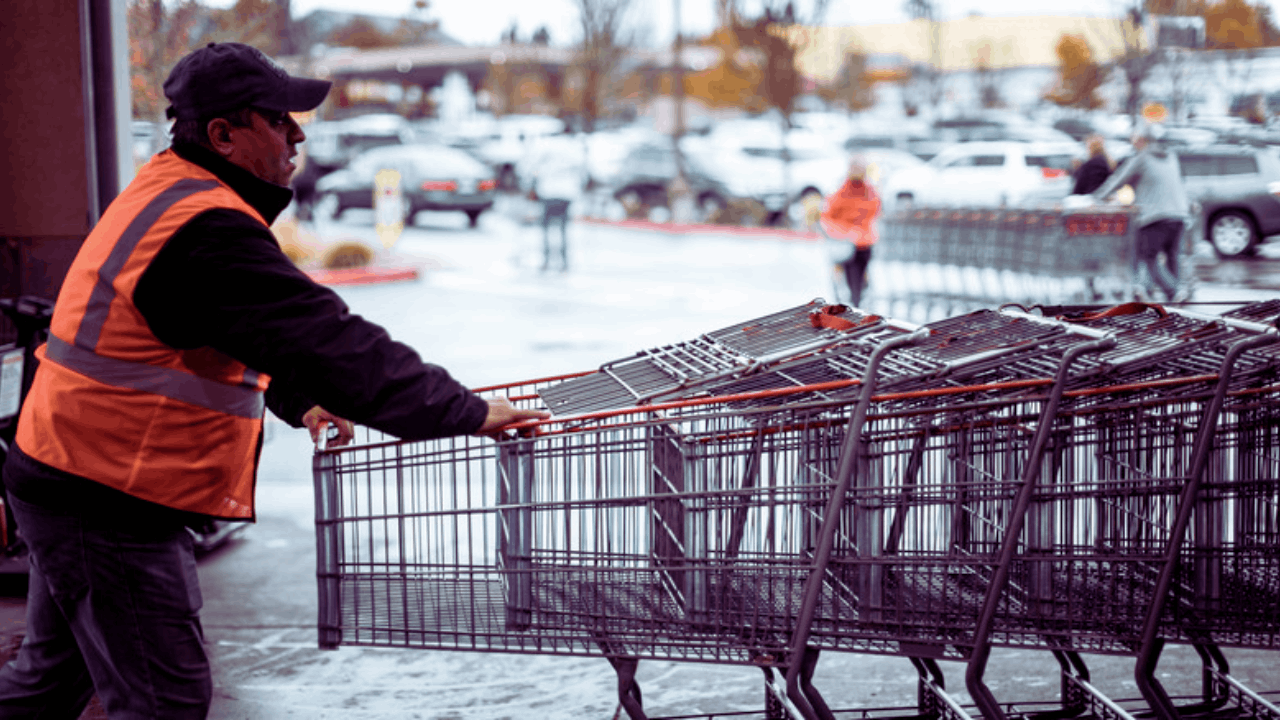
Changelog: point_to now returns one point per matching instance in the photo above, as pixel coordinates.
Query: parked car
(509, 139)
(782, 172)
(885, 163)
(922, 146)
(987, 174)
(433, 177)
(1238, 189)
(996, 127)
(333, 144)
(646, 176)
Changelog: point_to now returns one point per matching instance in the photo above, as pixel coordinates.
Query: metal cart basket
(821, 479)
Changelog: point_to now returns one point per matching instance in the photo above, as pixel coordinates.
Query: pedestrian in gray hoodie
(1163, 209)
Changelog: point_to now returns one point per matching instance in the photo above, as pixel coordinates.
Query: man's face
(267, 146)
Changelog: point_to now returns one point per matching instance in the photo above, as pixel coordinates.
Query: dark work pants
(113, 604)
(555, 211)
(855, 273)
(1161, 236)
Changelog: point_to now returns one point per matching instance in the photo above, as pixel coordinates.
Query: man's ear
(219, 130)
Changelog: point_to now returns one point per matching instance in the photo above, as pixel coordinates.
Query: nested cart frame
(1097, 483)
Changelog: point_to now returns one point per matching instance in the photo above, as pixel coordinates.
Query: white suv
(989, 174)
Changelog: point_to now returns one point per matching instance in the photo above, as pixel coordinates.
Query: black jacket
(222, 281)
(1091, 175)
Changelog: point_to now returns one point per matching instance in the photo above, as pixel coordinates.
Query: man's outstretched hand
(317, 419)
(502, 413)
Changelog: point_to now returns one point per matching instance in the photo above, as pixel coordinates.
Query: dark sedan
(432, 177)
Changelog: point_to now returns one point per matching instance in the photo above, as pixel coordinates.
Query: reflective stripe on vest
(104, 292)
(244, 401)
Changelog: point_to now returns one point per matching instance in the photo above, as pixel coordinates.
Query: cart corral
(822, 479)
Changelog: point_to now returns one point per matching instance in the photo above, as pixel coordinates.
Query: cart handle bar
(879, 397)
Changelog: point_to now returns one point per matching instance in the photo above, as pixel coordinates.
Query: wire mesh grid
(687, 530)
(677, 370)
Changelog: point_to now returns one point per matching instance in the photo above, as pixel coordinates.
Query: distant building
(961, 44)
(317, 28)
(1016, 54)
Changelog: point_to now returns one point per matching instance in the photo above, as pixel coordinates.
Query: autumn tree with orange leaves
(160, 33)
(158, 37)
(1228, 24)
(733, 81)
(1079, 76)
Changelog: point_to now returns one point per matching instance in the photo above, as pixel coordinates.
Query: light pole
(679, 190)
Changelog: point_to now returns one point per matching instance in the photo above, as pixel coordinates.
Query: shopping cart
(995, 479)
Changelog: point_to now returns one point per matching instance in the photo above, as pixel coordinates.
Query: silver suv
(1238, 189)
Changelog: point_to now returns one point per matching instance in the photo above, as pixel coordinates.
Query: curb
(367, 275)
(707, 228)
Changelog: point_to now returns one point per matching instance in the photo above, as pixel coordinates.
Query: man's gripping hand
(317, 419)
(502, 413)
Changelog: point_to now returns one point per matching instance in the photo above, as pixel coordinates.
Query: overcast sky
(477, 22)
(482, 22)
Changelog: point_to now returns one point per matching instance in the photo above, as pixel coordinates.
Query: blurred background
(746, 113)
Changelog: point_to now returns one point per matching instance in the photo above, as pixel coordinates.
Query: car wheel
(711, 208)
(327, 207)
(1232, 234)
(473, 217)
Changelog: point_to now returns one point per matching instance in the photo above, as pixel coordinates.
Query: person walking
(179, 320)
(1094, 171)
(850, 215)
(1162, 204)
(557, 182)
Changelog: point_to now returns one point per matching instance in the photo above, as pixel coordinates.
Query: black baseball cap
(228, 76)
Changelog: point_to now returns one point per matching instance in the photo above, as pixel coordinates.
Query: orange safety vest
(851, 213)
(109, 401)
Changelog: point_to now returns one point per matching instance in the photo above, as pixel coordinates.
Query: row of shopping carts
(1068, 480)
(933, 262)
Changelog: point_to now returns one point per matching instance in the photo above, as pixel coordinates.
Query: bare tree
(851, 89)
(1180, 65)
(987, 78)
(603, 46)
(928, 77)
(1137, 61)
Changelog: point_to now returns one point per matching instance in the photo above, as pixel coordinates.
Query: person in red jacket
(850, 215)
(178, 322)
